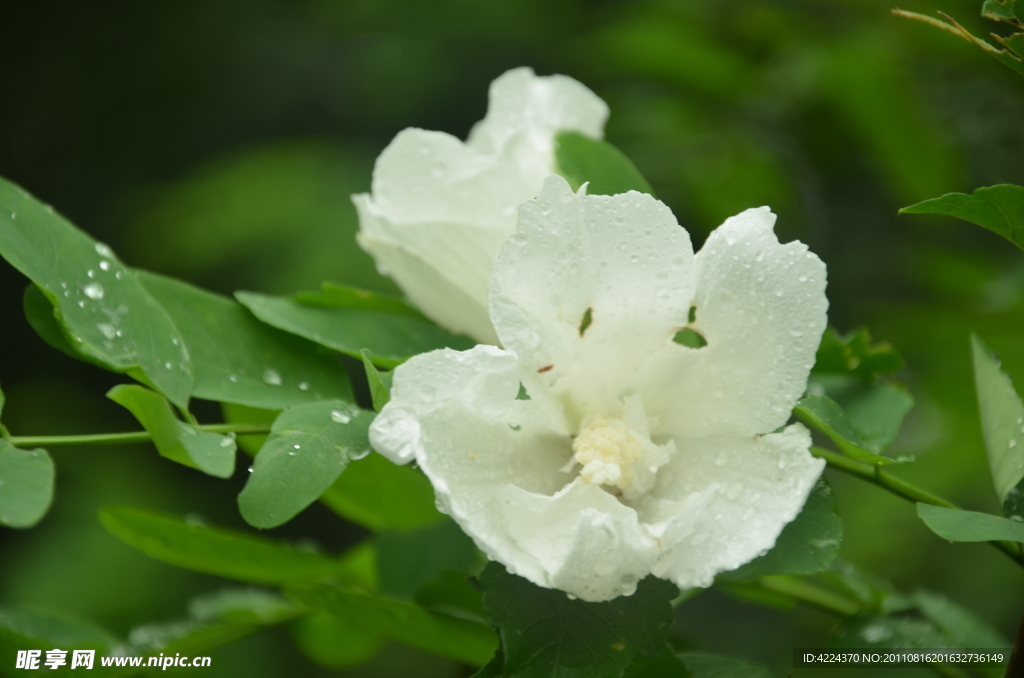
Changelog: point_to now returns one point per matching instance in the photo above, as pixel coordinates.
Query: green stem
(875, 473)
(128, 438)
(805, 592)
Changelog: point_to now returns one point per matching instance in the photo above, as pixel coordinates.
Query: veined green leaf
(1002, 10)
(807, 545)
(226, 553)
(393, 338)
(26, 478)
(545, 633)
(969, 526)
(333, 295)
(238, 359)
(822, 413)
(459, 639)
(606, 169)
(308, 448)
(380, 382)
(1000, 209)
(211, 453)
(1002, 420)
(103, 307)
(381, 495)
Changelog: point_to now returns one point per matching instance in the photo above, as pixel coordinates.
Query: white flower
(634, 454)
(440, 208)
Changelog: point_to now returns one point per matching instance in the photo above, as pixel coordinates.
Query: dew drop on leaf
(271, 377)
(339, 417)
(94, 290)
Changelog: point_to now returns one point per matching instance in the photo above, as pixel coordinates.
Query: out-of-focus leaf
(242, 606)
(221, 552)
(1000, 209)
(822, 413)
(969, 526)
(407, 561)
(459, 639)
(1002, 420)
(452, 593)
(308, 448)
(605, 169)
(334, 643)
(545, 633)
(493, 669)
(1002, 10)
(664, 666)
(238, 359)
(807, 545)
(380, 382)
(107, 313)
(393, 338)
(870, 631)
(333, 295)
(27, 629)
(874, 594)
(380, 495)
(703, 665)
(26, 484)
(876, 412)
(40, 315)
(211, 453)
(960, 625)
(854, 353)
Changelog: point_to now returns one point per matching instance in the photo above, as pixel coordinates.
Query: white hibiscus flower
(441, 208)
(634, 454)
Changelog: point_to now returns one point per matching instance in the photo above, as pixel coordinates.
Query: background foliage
(218, 141)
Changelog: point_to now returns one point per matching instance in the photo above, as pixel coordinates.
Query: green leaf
(873, 593)
(871, 631)
(380, 382)
(1002, 419)
(334, 643)
(453, 593)
(493, 669)
(582, 159)
(106, 312)
(380, 495)
(225, 553)
(460, 639)
(855, 354)
(211, 453)
(875, 412)
(1002, 10)
(665, 665)
(807, 545)
(42, 630)
(243, 414)
(1000, 209)
(960, 625)
(393, 338)
(545, 633)
(238, 359)
(26, 484)
(715, 666)
(969, 526)
(407, 561)
(242, 606)
(822, 413)
(333, 295)
(40, 315)
(308, 448)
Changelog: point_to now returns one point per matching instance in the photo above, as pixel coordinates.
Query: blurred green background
(219, 141)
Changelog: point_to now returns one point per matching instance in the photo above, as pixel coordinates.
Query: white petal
(761, 307)
(721, 502)
(519, 100)
(497, 466)
(453, 294)
(483, 378)
(624, 257)
(443, 205)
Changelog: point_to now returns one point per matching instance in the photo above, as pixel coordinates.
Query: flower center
(607, 451)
